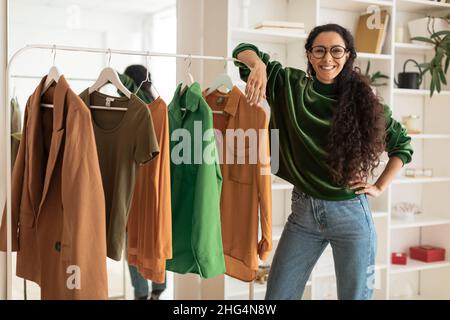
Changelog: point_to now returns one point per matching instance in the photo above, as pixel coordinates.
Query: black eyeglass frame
(329, 50)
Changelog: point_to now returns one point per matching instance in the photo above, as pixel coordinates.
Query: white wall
(3, 61)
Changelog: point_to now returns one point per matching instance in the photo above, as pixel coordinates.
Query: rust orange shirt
(246, 199)
(150, 216)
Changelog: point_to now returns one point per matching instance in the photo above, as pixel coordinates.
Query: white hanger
(147, 78)
(53, 74)
(109, 75)
(189, 80)
(220, 81)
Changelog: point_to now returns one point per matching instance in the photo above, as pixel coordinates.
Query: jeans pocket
(367, 212)
(297, 196)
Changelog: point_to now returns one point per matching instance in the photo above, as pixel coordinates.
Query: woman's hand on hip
(371, 189)
(255, 90)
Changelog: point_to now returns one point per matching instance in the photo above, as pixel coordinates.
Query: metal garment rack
(7, 124)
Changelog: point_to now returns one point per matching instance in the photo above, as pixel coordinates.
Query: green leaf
(423, 39)
(440, 33)
(368, 68)
(376, 74)
(438, 82)
(432, 86)
(442, 75)
(447, 62)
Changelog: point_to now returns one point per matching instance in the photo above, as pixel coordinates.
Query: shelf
(373, 56)
(379, 214)
(282, 186)
(411, 48)
(328, 272)
(419, 221)
(421, 6)
(420, 92)
(415, 265)
(407, 180)
(353, 5)
(430, 136)
(266, 35)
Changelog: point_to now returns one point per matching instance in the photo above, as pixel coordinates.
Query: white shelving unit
(430, 146)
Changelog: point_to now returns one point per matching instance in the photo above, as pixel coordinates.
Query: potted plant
(438, 65)
(374, 78)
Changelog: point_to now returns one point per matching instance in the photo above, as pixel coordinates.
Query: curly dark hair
(357, 135)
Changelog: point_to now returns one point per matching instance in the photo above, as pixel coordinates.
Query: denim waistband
(301, 193)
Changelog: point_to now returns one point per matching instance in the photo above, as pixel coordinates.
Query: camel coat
(58, 208)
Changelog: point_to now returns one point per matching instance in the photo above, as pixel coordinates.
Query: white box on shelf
(419, 28)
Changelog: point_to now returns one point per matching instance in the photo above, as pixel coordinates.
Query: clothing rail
(7, 124)
(23, 76)
(127, 52)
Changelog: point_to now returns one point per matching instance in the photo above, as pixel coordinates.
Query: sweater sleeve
(397, 140)
(275, 71)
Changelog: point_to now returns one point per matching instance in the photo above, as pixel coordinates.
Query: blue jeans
(140, 284)
(347, 225)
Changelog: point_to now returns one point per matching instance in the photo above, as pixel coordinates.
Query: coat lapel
(59, 98)
(35, 149)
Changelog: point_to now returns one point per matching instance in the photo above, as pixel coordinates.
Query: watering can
(409, 80)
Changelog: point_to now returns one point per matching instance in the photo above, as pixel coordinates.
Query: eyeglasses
(336, 52)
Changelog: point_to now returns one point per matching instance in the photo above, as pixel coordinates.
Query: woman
(332, 130)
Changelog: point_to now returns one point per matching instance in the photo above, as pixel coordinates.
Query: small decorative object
(288, 26)
(428, 172)
(405, 210)
(418, 172)
(399, 258)
(427, 253)
(411, 123)
(374, 78)
(409, 80)
(262, 274)
(399, 34)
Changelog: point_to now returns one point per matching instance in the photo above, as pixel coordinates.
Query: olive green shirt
(302, 109)
(196, 184)
(125, 139)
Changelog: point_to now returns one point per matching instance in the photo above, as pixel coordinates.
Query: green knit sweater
(302, 110)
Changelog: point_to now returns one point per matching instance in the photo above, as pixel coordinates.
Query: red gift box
(427, 253)
(398, 258)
